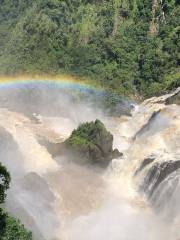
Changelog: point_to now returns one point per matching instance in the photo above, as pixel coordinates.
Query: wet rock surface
(145, 163)
(158, 173)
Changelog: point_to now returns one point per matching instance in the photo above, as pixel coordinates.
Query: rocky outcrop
(164, 99)
(92, 143)
(174, 98)
(89, 143)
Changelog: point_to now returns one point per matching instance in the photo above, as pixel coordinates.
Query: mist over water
(58, 199)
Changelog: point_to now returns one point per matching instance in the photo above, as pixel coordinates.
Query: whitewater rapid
(58, 199)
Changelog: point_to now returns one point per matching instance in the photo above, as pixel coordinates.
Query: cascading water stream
(136, 198)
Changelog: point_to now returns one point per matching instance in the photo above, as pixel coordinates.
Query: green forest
(130, 47)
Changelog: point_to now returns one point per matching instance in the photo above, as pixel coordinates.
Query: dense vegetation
(128, 46)
(10, 228)
(86, 133)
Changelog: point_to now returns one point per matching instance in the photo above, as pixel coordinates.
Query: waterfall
(135, 198)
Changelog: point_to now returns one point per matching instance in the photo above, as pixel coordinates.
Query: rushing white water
(135, 198)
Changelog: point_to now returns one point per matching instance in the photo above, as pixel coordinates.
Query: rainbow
(63, 82)
(85, 89)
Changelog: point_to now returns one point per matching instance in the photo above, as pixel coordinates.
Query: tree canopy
(127, 46)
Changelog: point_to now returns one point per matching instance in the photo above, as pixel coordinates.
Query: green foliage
(2, 222)
(77, 141)
(108, 41)
(10, 228)
(13, 230)
(4, 182)
(85, 133)
(172, 80)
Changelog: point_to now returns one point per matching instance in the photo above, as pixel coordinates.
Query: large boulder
(91, 142)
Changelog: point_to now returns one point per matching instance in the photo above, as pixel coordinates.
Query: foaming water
(59, 200)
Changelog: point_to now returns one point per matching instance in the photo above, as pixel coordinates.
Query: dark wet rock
(147, 126)
(116, 154)
(157, 174)
(145, 163)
